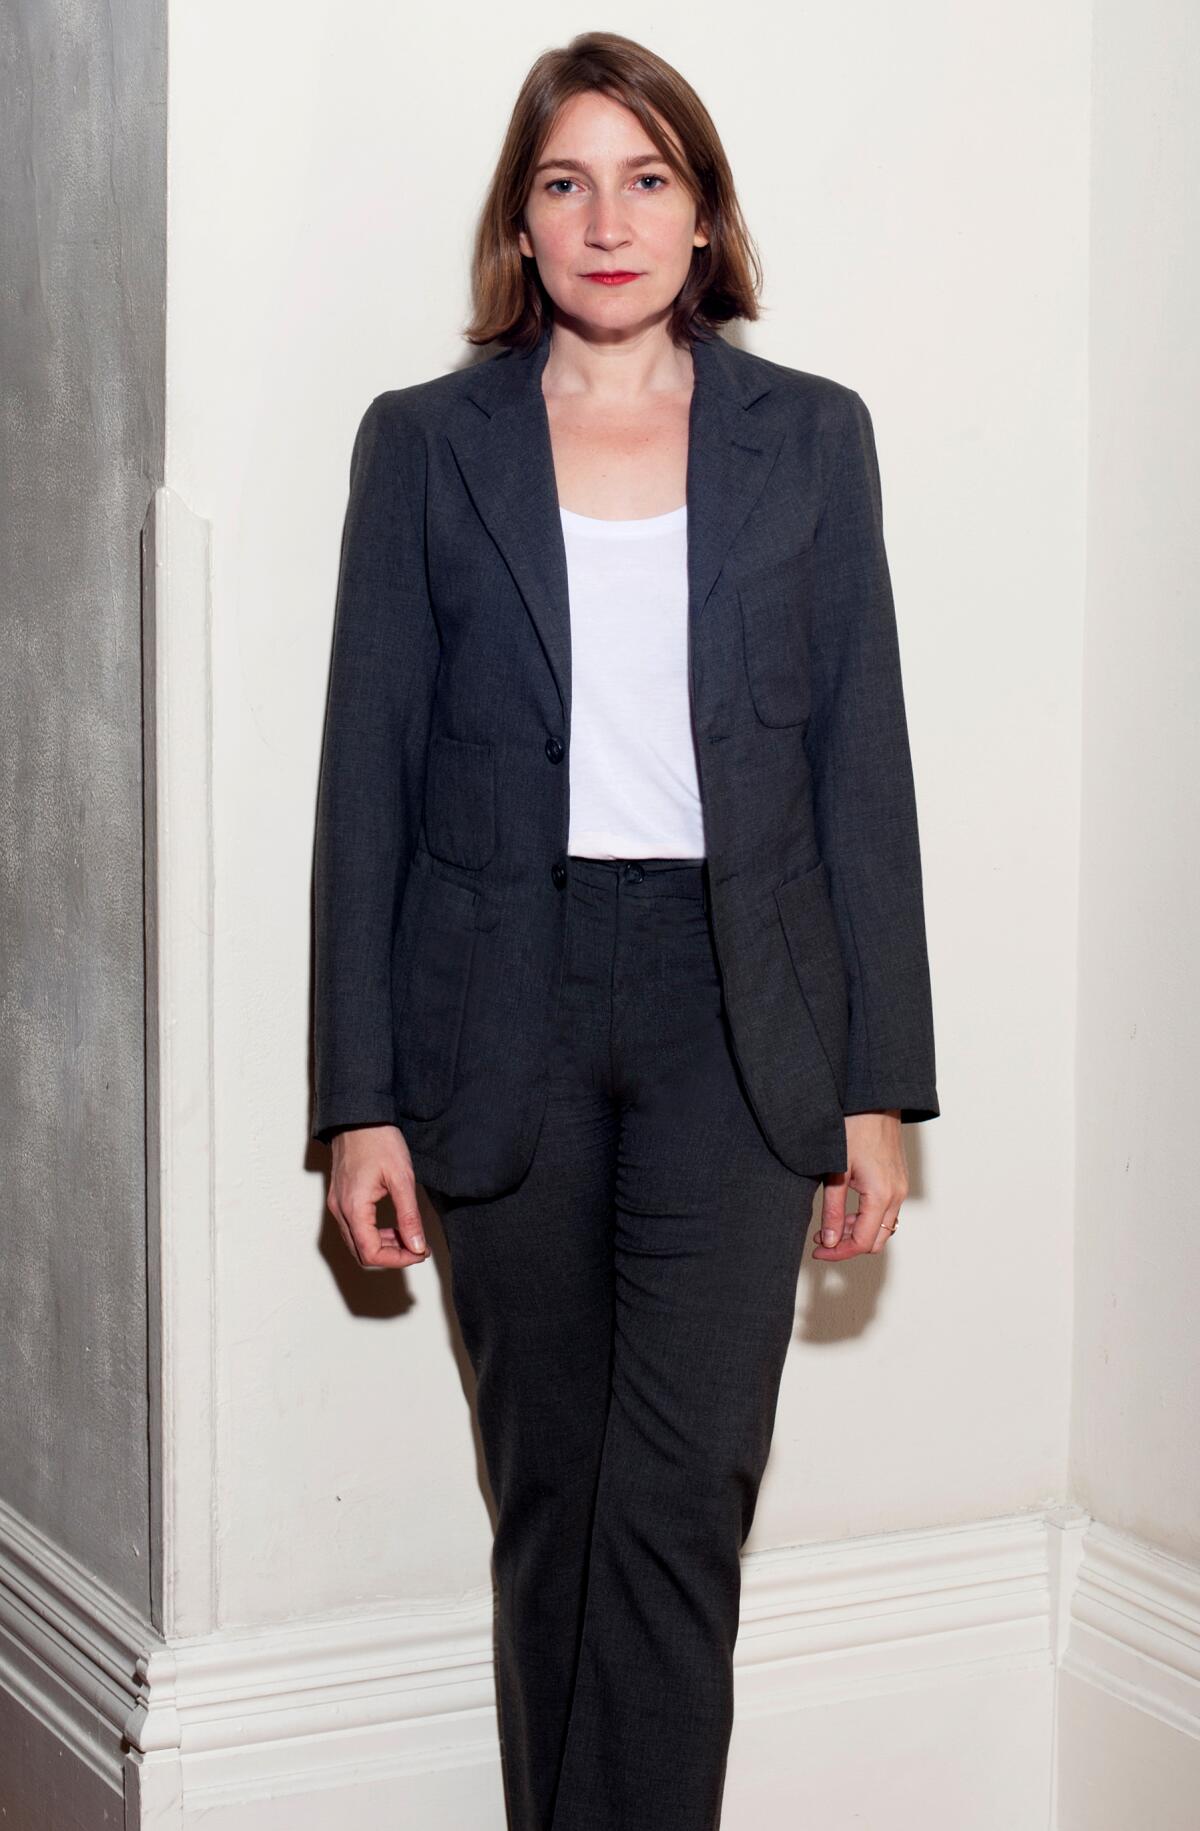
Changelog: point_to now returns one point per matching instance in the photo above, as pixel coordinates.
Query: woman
(620, 945)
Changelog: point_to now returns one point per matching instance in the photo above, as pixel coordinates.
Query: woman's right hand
(369, 1162)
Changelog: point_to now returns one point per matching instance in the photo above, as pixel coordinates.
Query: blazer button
(556, 750)
(558, 872)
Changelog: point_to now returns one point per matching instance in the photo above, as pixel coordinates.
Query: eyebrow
(581, 165)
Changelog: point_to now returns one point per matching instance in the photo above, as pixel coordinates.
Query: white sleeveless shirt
(634, 788)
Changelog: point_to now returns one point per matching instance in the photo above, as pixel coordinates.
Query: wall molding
(1135, 1626)
(180, 1200)
(69, 1649)
(207, 1724)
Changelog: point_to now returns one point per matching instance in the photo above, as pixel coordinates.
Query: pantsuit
(627, 1309)
(620, 1086)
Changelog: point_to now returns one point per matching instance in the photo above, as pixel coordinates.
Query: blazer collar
(504, 453)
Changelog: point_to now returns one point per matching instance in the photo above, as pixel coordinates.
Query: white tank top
(634, 789)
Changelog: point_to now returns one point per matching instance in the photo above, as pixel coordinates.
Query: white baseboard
(1135, 1628)
(1128, 1706)
(69, 1652)
(853, 1659)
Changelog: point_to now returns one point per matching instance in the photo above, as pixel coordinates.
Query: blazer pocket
(435, 947)
(775, 606)
(460, 801)
(810, 930)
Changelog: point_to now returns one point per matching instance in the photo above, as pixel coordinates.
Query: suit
(441, 842)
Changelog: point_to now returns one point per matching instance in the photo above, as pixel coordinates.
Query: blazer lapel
(507, 463)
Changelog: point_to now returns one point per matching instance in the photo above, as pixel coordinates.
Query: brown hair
(510, 305)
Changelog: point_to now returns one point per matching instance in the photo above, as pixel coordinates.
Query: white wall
(917, 181)
(1137, 1359)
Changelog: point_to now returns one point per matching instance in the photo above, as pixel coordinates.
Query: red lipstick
(612, 279)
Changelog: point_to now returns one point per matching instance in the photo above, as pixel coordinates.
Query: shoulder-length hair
(510, 304)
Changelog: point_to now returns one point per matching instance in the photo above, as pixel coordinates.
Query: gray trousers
(627, 1309)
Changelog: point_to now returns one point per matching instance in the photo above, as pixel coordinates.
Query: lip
(615, 278)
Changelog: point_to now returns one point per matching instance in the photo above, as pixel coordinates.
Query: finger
(846, 1248)
(394, 1252)
(885, 1225)
(833, 1208)
(343, 1228)
(890, 1217)
(366, 1241)
(402, 1190)
(383, 1248)
(872, 1210)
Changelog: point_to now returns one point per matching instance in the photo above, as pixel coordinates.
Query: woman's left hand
(877, 1170)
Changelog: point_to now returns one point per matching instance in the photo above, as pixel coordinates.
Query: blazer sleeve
(372, 773)
(864, 801)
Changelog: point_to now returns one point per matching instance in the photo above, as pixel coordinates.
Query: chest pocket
(776, 607)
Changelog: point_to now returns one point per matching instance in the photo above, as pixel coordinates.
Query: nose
(607, 228)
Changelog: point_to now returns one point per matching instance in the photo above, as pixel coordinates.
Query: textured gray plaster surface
(82, 300)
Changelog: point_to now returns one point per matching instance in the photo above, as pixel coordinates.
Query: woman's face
(604, 201)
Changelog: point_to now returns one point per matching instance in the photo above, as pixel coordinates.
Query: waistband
(686, 877)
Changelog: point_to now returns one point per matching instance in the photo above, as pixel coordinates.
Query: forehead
(595, 126)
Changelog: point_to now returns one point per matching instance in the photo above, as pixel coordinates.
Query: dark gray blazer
(442, 824)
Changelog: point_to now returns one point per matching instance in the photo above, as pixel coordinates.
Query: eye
(654, 177)
(554, 181)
